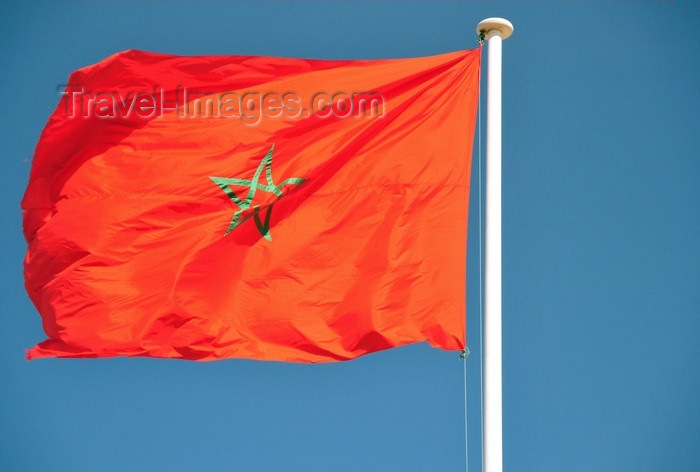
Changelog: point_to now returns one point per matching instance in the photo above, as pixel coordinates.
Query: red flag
(254, 207)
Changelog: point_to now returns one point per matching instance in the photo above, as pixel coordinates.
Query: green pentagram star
(253, 185)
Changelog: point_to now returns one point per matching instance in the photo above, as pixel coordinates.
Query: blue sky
(601, 307)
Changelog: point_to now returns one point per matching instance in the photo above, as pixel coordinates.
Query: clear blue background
(600, 245)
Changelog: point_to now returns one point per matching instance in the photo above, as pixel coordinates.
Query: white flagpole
(495, 30)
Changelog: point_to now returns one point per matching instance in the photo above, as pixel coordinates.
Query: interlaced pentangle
(253, 185)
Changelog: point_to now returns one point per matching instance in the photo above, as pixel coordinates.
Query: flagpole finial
(489, 26)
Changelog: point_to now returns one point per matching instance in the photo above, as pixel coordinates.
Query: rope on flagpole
(481, 271)
(463, 355)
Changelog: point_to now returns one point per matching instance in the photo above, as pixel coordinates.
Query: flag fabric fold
(267, 208)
